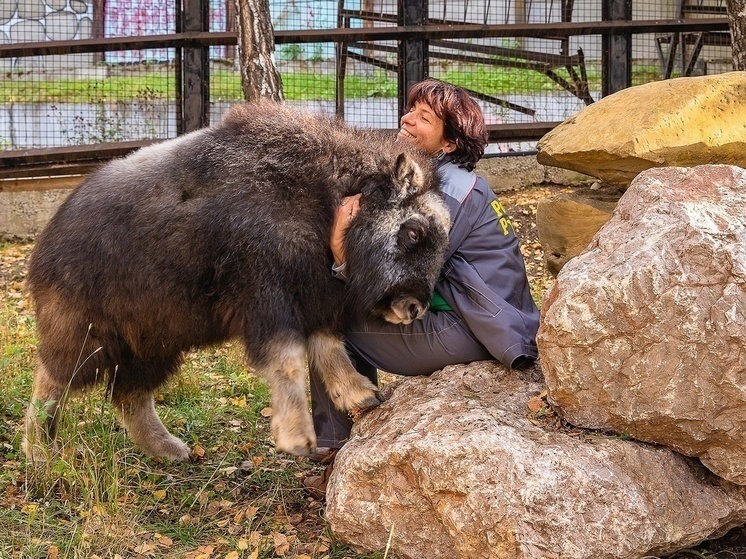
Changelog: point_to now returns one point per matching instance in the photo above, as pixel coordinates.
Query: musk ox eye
(411, 235)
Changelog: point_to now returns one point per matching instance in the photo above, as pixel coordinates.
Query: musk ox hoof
(39, 453)
(372, 402)
(294, 435)
(358, 411)
(170, 448)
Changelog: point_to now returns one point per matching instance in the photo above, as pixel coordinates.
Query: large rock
(567, 222)
(456, 466)
(680, 122)
(645, 332)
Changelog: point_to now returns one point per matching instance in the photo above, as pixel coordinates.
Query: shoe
(323, 454)
(316, 485)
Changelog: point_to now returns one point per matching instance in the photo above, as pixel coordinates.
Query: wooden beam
(465, 31)
(40, 184)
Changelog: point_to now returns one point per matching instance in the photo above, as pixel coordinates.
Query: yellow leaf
(243, 544)
(267, 412)
(198, 451)
(160, 494)
(238, 402)
(254, 554)
(231, 555)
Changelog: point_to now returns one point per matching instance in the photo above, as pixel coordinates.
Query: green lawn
(157, 83)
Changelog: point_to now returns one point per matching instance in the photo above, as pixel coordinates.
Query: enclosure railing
(192, 69)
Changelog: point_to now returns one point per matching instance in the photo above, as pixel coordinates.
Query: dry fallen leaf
(535, 404)
(282, 546)
(198, 451)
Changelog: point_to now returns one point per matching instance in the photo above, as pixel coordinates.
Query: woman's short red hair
(461, 115)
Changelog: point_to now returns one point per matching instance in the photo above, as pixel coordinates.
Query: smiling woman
(482, 307)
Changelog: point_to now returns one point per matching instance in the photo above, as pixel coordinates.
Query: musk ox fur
(222, 234)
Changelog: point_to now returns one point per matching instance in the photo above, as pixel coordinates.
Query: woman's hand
(343, 216)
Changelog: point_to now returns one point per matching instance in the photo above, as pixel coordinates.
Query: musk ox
(221, 234)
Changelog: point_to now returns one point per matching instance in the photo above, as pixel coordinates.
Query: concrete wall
(24, 213)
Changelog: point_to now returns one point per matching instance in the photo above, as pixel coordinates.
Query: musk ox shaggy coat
(224, 234)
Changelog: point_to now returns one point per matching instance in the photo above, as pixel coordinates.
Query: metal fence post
(193, 69)
(616, 48)
(413, 54)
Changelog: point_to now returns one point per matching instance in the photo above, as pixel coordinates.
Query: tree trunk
(256, 45)
(737, 17)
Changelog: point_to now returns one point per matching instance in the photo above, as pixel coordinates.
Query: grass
(102, 498)
(156, 82)
(131, 83)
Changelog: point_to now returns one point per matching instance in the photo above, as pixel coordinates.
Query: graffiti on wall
(61, 20)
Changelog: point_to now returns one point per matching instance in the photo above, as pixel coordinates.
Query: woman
(482, 308)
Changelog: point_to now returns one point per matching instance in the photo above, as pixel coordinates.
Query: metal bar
(196, 69)
(97, 152)
(413, 65)
(616, 49)
(698, 44)
(388, 66)
(501, 102)
(465, 31)
(76, 160)
(550, 59)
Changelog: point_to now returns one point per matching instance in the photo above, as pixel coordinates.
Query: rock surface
(456, 466)
(567, 222)
(681, 122)
(645, 332)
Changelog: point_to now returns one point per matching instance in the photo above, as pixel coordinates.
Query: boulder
(680, 122)
(566, 222)
(456, 465)
(644, 333)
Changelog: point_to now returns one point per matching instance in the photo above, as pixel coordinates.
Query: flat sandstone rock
(680, 122)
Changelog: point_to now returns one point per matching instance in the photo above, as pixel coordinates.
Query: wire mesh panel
(307, 69)
(537, 76)
(80, 99)
(675, 54)
(517, 79)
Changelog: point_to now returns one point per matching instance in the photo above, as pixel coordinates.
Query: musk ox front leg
(348, 389)
(284, 368)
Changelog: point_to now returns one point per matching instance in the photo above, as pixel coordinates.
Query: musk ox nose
(414, 311)
(404, 310)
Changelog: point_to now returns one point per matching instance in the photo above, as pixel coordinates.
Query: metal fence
(85, 80)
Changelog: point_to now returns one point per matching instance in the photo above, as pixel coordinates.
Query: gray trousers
(419, 348)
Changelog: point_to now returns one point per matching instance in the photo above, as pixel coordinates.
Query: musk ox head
(396, 245)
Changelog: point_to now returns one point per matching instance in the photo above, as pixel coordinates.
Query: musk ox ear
(408, 173)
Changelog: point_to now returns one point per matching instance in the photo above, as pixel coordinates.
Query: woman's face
(422, 127)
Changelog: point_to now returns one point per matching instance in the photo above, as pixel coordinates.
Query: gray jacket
(484, 278)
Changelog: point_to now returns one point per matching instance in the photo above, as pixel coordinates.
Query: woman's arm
(343, 216)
